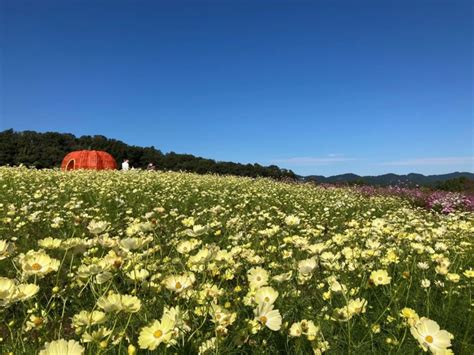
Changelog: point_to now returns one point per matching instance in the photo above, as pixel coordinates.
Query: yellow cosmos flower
(283, 277)
(269, 317)
(296, 330)
(110, 303)
(35, 322)
(97, 227)
(138, 275)
(453, 277)
(307, 266)
(62, 347)
(309, 329)
(257, 277)
(37, 263)
(6, 249)
(187, 246)
(50, 243)
(130, 304)
(8, 291)
(292, 220)
(430, 336)
(469, 273)
(266, 295)
(158, 332)
(26, 291)
(179, 283)
(410, 315)
(380, 277)
(96, 335)
(85, 319)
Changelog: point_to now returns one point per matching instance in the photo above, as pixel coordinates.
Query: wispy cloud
(431, 161)
(314, 161)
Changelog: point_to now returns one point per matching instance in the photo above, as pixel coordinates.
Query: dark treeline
(46, 150)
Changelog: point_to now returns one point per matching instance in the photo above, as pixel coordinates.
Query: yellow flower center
(178, 285)
(37, 322)
(266, 299)
(158, 333)
(263, 319)
(429, 339)
(36, 266)
(259, 278)
(380, 278)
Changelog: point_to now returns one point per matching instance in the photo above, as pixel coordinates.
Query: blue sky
(320, 87)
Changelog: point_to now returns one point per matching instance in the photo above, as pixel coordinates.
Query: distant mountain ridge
(387, 179)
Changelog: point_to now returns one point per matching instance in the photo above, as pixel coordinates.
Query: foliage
(47, 150)
(456, 185)
(455, 182)
(178, 263)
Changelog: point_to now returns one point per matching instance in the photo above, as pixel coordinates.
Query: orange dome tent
(88, 159)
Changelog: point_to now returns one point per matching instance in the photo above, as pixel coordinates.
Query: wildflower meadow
(110, 262)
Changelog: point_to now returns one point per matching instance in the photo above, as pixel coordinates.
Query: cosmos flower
(266, 295)
(98, 227)
(110, 303)
(307, 266)
(130, 304)
(62, 347)
(410, 315)
(269, 317)
(37, 263)
(257, 277)
(430, 336)
(26, 291)
(296, 330)
(292, 220)
(96, 335)
(283, 277)
(156, 333)
(380, 277)
(179, 283)
(85, 319)
(6, 249)
(8, 291)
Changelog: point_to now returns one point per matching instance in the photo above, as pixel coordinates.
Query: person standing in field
(125, 165)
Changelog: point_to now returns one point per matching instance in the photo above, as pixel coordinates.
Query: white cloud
(431, 161)
(314, 161)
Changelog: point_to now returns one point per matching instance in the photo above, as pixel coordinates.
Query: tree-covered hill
(457, 181)
(46, 150)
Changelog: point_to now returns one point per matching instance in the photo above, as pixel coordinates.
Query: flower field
(175, 263)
